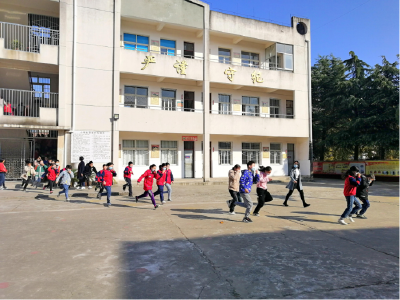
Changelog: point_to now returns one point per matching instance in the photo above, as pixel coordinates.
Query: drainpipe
(112, 87)
(73, 66)
(311, 151)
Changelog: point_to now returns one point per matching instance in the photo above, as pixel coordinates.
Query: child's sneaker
(155, 206)
(232, 213)
(351, 219)
(256, 215)
(162, 202)
(247, 220)
(362, 217)
(341, 221)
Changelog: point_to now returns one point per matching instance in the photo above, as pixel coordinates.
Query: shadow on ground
(285, 264)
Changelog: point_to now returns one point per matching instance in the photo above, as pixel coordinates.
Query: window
(224, 104)
(188, 50)
(136, 42)
(224, 56)
(224, 153)
(250, 151)
(289, 109)
(168, 99)
(168, 47)
(136, 152)
(274, 108)
(284, 56)
(250, 59)
(188, 101)
(41, 85)
(250, 106)
(135, 96)
(169, 152)
(275, 150)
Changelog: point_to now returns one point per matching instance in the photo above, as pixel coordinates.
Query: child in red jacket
(107, 178)
(51, 177)
(161, 179)
(148, 176)
(352, 181)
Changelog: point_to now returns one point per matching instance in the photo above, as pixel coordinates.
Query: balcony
(133, 61)
(28, 108)
(29, 43)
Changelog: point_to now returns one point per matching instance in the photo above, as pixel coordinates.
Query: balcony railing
(159, 52)
(27, 38)
(250, 114)
(22, 103)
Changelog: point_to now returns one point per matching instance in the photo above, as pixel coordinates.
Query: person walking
(51, 177)
(295, 183)
(29, 172)
(109, 173)
(169, 180)
(65, 179)
(87, 173)
(246, 182)
(99, 179)
(233, 188)
(40, 169)
(161, 175)
(352, 181)
(3, 172)
(262, 192)
(128, 178)
(362, 194)
(81, 174)
(148, 176)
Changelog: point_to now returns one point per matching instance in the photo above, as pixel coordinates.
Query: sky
(370, 28)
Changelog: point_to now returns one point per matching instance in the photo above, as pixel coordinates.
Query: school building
(152, 81)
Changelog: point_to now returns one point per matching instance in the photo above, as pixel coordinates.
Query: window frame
(135, 150)
(289, 107)
(229, 105)
(188, 56)
(257, 110)
(167, 48)
(136, 43)
(229, 152)
(136, 95)
(251, 61)
(173, 100)
(225, 56)
(273, 156)
(170, 149)
(283, 55)
(274, 115)
(258, 156)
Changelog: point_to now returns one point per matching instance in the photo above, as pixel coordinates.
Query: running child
(262, 192)
(99, 180)
(362, 193)
(161, 175)
(51, 177)
(352, 181)
(109, 173)
(246, 182)
(127, 177)
(169, 180)
(65, 179)
(148, 176)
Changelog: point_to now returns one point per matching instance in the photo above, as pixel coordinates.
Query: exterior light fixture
(116, 117)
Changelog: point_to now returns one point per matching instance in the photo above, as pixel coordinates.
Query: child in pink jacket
(262, 192)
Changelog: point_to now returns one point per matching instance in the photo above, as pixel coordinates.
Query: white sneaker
(162, 202)
(67, 199)
(232, 213)
(1, 188)
(341, 221)
(75, 184)
(351, 219)
(82, 188)
(89, 187)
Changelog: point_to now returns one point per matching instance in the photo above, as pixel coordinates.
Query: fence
(27, 38)
(26, 103)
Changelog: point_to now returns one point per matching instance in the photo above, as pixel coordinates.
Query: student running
(295, 183)
(161, 175)
(51, 177)
(262, 192)
(127, 177)
(99, 180)
(148, 176)
(109, 173)
(246, 182)
(29, 172)
(65, 179)
(233, 188)
(362, 193)
(169, 180)
(3, 172)
(352, 181)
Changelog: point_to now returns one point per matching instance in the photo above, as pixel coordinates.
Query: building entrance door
(290, 156)
(188, 159)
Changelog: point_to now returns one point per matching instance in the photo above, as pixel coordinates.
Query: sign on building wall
(155, 98)
(189, 138)
(155, 151)
(92, 145)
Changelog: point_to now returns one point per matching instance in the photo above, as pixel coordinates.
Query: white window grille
(136, 151)
(275, 154)
(224, 153)
(169, 152)
(250, 151)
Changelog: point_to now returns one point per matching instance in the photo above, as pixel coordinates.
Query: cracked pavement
(191, 248)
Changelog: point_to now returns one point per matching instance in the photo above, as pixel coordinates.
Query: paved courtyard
(191, 248)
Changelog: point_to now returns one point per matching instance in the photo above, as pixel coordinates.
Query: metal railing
(249, 114)
(26, 103)
(27, 38)
(159, 52)
(176, 108)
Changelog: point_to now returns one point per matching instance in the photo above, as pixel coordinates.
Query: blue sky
(370, 28)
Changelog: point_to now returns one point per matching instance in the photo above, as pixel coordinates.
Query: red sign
(189, 138)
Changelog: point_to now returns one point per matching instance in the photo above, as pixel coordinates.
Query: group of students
(240, 184)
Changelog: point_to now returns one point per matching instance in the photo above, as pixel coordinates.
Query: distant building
(152, 81)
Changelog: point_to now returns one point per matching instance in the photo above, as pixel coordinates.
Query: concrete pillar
(206, 95)
(61, 147)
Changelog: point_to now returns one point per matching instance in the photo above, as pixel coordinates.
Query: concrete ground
(191, 248)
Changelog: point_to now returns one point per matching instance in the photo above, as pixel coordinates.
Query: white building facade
(152, 81)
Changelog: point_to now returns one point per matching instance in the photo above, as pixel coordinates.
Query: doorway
(188, 50)
(188, 159)
(188, 101)
(290, 156)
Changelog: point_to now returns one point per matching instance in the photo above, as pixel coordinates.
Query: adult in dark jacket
(362, 193)
(88, 171)
(81, 174)
(295, 183)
